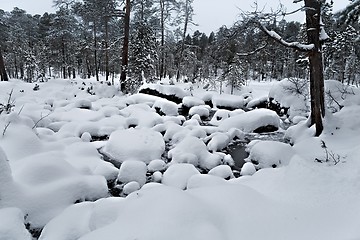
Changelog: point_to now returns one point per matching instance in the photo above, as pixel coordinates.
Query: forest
(120, 120)
(86, 39)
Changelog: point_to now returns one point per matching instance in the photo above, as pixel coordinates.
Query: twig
(5, 128)
(41, 118)
(252, 52)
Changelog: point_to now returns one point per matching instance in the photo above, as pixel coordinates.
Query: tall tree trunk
(95, 53)
(162, 43)
(107, 72)
(186, 22)
(313, 15)
(125, 49)
(4, 76)
(63, 58)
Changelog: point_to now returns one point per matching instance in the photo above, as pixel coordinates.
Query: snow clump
(135, 144)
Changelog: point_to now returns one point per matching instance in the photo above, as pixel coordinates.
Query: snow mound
(222, 171)
(132, 171)
(202, 110)
(80, 219)
(12, 225)
(252, 120)
(228, 101)
(135, 144)
(166, 107)
(193, 150)
(265, 154)
(248, 169)
(177, 175)
(190, 101)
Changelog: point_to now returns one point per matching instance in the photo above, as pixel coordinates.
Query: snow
(135, 144)
(202, 110)
(132, 171)
(248, 169)
(190, 101)
(250, 121)
(52, 175)
(167, 90)
(177, 175)
(193, 150)
(228, 101)
(12, 225)
(266, 154)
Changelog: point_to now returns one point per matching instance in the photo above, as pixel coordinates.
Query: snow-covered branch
(295, 45)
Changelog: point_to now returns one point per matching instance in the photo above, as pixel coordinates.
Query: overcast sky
(209, 14)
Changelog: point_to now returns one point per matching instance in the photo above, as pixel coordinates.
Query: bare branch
(252, 52)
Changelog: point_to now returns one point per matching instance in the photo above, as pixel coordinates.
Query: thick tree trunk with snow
(313, 14)
(125, 49)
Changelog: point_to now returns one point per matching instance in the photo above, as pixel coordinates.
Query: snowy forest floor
(176, 180)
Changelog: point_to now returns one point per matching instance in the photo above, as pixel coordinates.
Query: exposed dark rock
(154, 92)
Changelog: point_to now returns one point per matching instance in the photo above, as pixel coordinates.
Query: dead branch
(252, 52)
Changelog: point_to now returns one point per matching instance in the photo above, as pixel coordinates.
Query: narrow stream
(237, 149)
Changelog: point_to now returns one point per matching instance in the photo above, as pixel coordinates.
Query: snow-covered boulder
(177, 175)
(266, 154)
(292, 94)
(165, 107)
(135, 144)
(223, 171)
(228, 101)
(156, 165)
(131, 187)
(190, 101)
(219, 140)
(255, 120)
(193, 150)
(12, 225)
(202, 110)
(170, 92)
(132, 171)
(248, 169)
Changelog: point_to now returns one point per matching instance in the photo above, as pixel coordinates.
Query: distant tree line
(86, 39)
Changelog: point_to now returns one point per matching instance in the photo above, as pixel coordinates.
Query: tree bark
(125, 49)
(4, 76)
(107, 72)
(95, 53)
(162, 43)
(186, 22)
(313, 15)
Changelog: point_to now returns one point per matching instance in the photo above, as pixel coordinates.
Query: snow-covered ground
(174, 181)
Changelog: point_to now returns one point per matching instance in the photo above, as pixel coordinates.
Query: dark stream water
(237, 148)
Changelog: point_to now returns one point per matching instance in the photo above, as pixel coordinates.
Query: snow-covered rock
(248, 169)
(135, 144)
(265, 154)
(201, 110)
(132, 171)
(156, 165)
(193, 150)
(12, 225)
(131, 187)
(177, 175)
(223, 171)
(252, 120)
(190, 101)
(228, 101)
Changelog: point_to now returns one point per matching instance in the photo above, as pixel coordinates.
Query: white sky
(209, 14)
